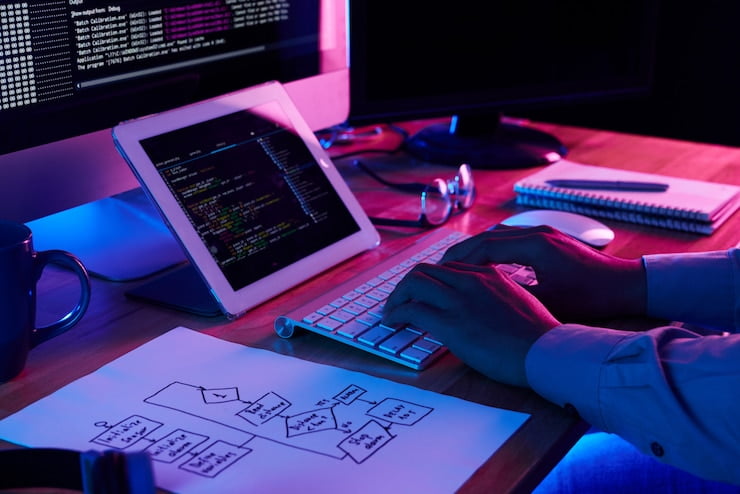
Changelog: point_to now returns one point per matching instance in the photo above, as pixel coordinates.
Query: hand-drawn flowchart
(216, 416)
(345, 426)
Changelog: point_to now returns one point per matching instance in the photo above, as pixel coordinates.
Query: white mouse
(583, 228)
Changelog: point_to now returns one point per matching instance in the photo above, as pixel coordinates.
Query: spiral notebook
(687, 205)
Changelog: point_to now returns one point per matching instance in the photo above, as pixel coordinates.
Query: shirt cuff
(692, 287)
(564, 367)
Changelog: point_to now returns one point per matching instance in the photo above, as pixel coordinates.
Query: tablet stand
(118, 238)
(181, 289)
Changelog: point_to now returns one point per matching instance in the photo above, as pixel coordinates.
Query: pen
(610, 185)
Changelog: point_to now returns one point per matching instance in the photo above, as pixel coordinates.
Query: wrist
(632, 287)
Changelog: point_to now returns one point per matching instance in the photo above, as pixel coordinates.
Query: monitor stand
(119, 238)
(485, 142)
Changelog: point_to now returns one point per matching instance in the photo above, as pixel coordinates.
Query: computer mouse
(584, 228)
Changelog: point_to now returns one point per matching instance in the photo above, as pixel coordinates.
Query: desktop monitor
(422, 60)
(72, 69)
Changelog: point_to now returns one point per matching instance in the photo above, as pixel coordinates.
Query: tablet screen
(254, 193)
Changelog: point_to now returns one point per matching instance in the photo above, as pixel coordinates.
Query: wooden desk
(115, 325)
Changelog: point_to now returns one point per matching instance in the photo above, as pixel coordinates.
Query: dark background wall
(696, 94)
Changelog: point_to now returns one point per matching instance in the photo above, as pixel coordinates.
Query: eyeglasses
(438, 199)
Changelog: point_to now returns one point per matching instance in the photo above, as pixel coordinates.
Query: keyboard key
(377, 311)
(328, 324)
(351, 295)
(414, 355)
(386, 287)
(352, 330)
(399, 341)
(398, 269)
(312, 317)
(526, 276)
(427, 345)
(368, 319)
(366, 302)
(342, 316)
(326, 310)
(375, 281)
(386, 275)
(364, 288)
(524, 279)
(354, 308)
(442, 244)
(395, 280)
(508, 268)
(378, 295)
(452, 238)
(375, 335)
(436, 258)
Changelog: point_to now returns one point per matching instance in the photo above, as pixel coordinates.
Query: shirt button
(657, 449)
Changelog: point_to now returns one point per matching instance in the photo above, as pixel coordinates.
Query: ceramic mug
(20, 270)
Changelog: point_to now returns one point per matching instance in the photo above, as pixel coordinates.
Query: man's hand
(575, 281)
(482, 316)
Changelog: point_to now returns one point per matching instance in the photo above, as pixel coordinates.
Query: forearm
(668, 391)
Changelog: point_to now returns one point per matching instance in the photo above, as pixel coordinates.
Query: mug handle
(63, 258)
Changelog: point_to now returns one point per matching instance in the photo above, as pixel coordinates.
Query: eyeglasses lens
(464, 187)
(436, 203)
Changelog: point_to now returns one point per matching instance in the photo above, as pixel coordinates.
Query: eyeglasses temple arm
(409, 187)
(394, 222)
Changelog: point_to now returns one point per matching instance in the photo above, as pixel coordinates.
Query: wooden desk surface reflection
(115, 325)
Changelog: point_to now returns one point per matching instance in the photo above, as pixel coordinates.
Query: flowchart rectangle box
(264, 409)
(350, 394)
(399, 411)
(215, 459)
(365, 441)
(174, 445)
(127, 432)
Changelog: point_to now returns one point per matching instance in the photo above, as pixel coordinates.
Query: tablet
(248, 191)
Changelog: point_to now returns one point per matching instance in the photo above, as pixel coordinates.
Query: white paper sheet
(220, 417)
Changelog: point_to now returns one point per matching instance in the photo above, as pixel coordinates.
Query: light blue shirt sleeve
(671, 392)
(700, 288)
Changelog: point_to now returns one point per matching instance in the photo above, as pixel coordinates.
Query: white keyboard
(351, 312)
